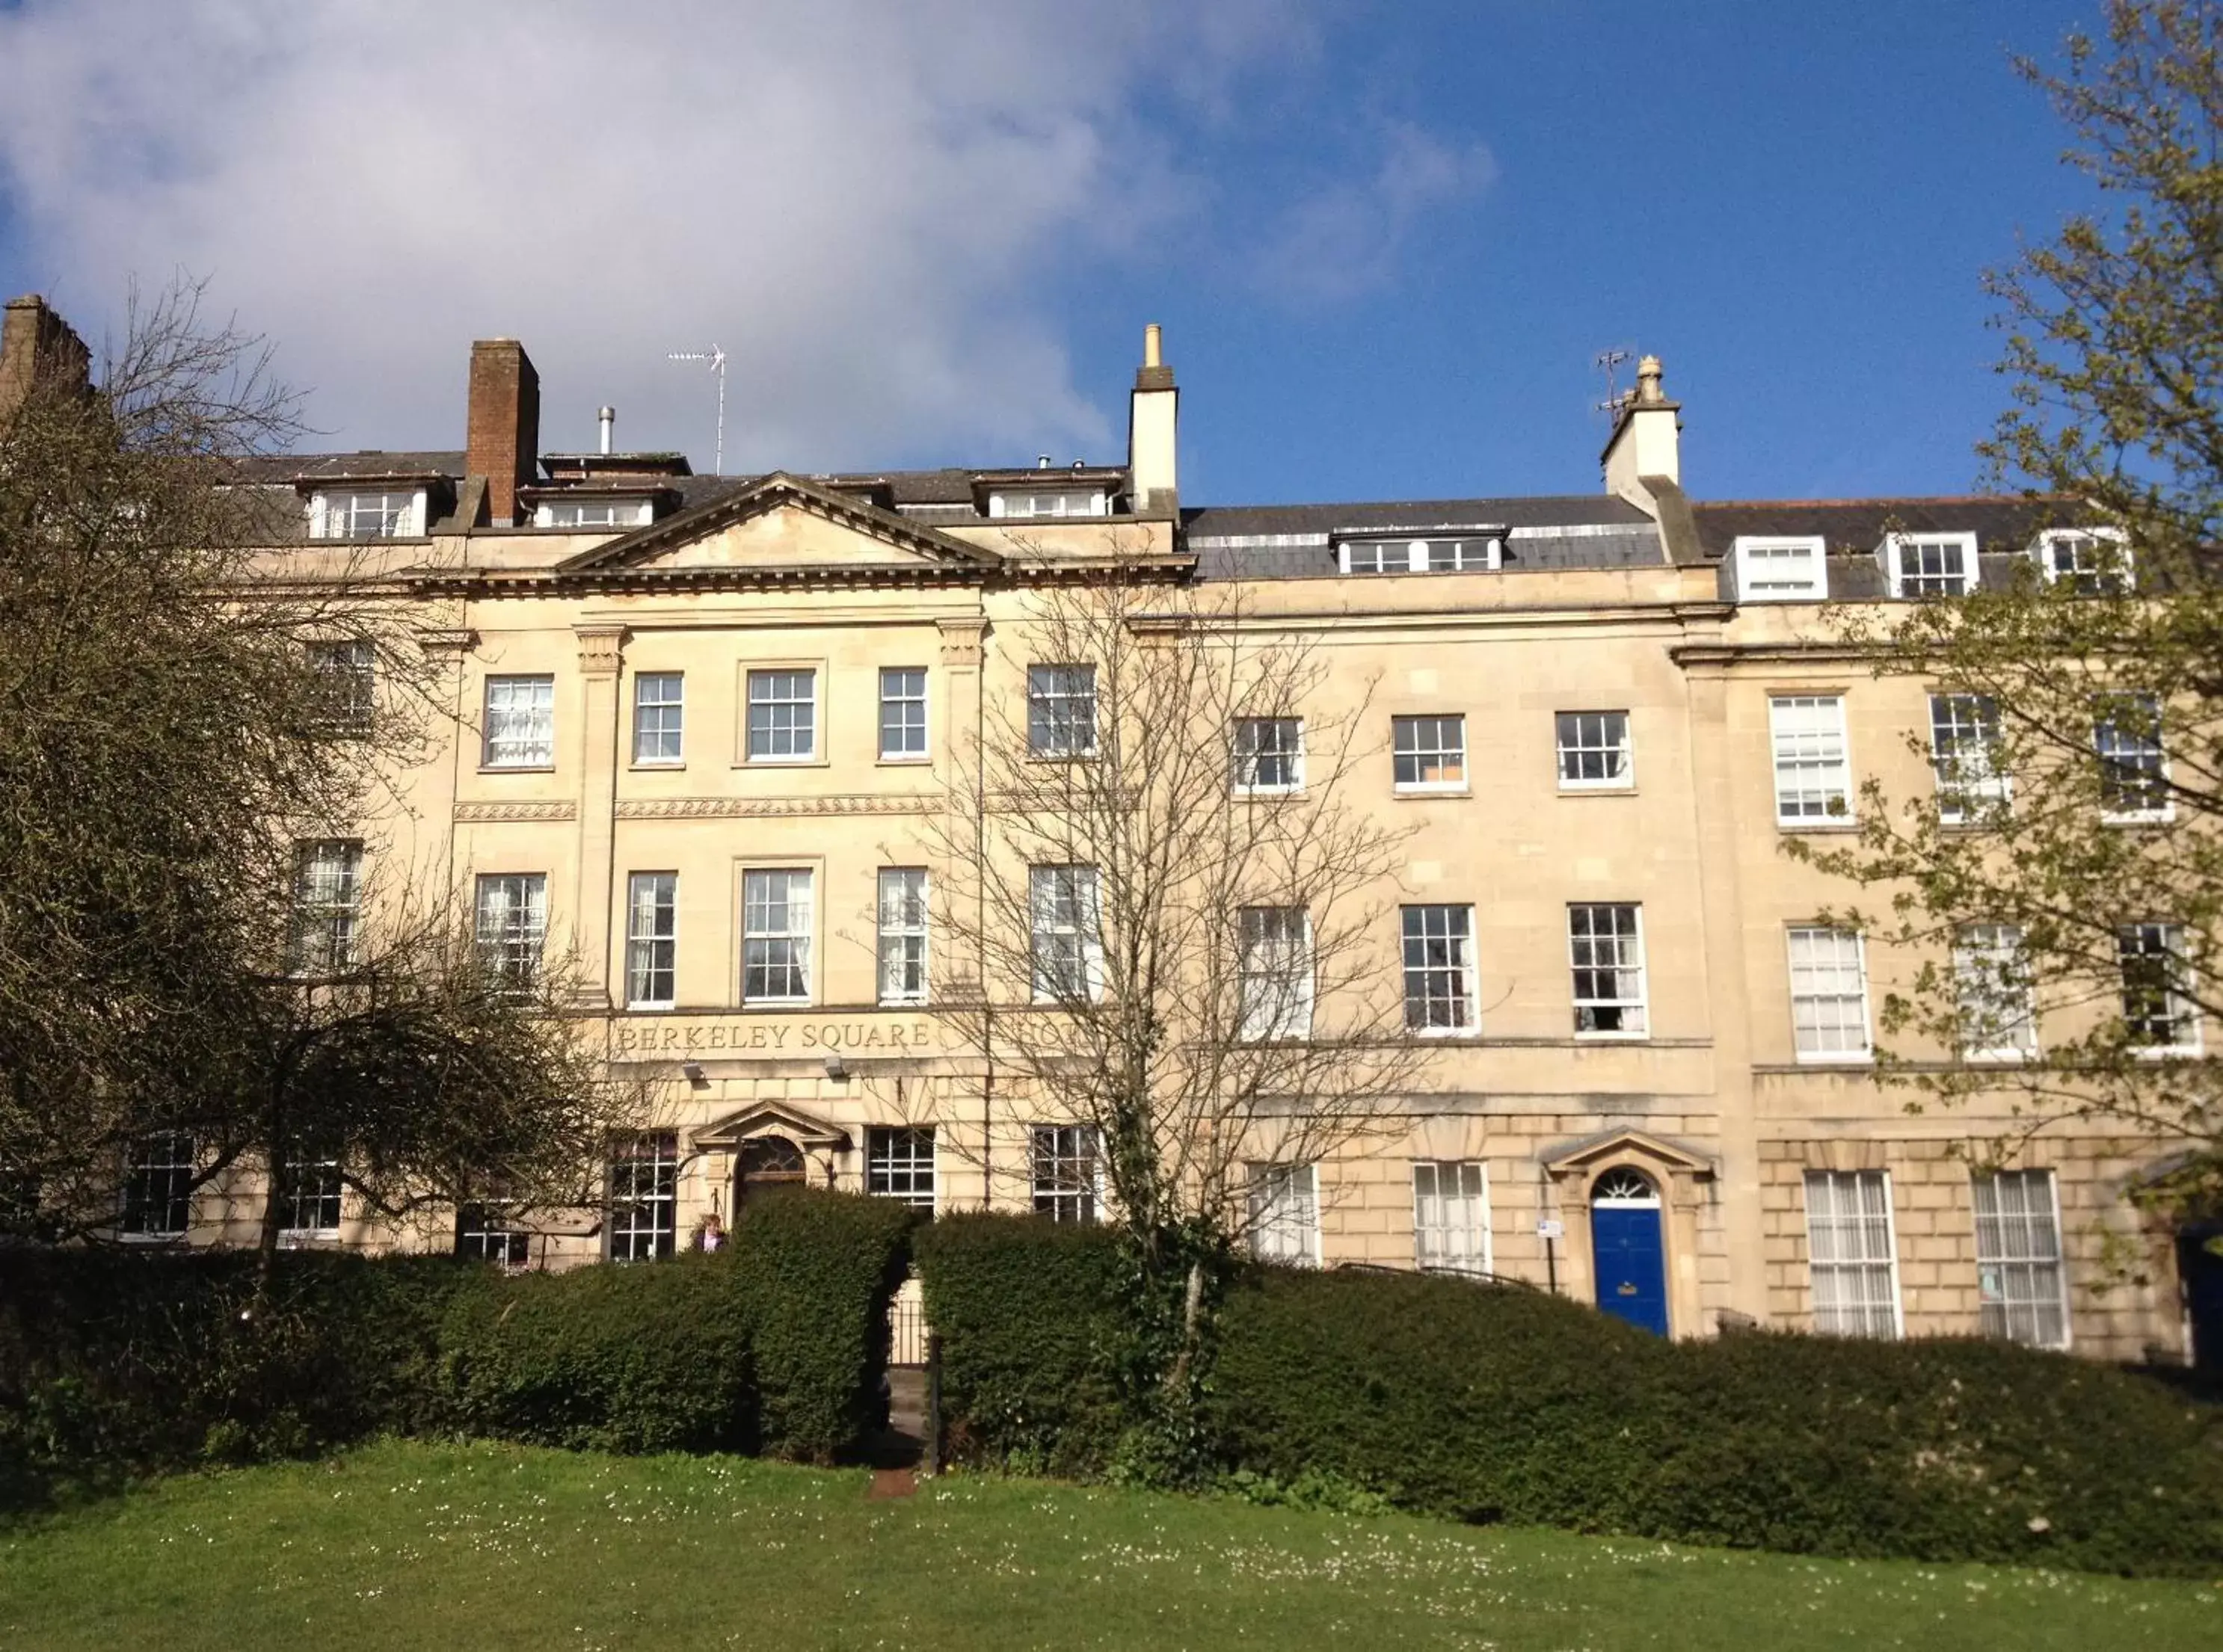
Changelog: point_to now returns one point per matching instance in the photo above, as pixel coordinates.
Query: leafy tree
(1162, 931)
(2065, 880)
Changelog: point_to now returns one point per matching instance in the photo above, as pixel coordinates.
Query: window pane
(1285, 1214)
(2021, 1288)
(313, 1190)
(902, 935)
(1066, 1170)
(1932, 567)
(2156, 1011)
(1060, 710)
(1964, 739)
(512, 923)
(1992, 985)
(1439, 944)
(1268, 754)
(1428, 751)
(1273, 973)
(347, 672)
(775, 937)
(1812, 779)
(2133, 775)
(657, 714)
(783, 716)
(1605, 945)
(520, 722)
(1593, 748)
(1451, 1216)
(1828, 994)
(644, 1198)
(900, 1165)
(902, 712)
(327, 905)
(1850, 1258)
(158, 1186)
(652, 939)
(1068, 946)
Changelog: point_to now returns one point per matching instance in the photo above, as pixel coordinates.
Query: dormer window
(604, 512)
(1781, 569)
(2089, 560)
(367, 514)
(1448, 555)
(1929, 564)
(1031, 503)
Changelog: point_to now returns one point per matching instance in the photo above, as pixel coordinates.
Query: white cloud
(1346, 237)
(864, 203)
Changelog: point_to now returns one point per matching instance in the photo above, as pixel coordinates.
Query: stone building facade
(698, 722)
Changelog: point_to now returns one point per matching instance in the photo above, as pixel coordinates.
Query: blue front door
(1632, 1272)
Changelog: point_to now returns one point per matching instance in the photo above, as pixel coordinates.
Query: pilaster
(602, 655)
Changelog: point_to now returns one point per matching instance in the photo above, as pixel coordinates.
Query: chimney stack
(610, 418)
(1153, 425)
(502, 443)
(1644, 447)
(37, 347)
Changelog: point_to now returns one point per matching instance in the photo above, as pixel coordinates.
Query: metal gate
(907, 1326)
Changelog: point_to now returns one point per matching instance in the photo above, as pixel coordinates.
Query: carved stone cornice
(553, 809)
(602, 649)
(459, 640)
(962, 638)
(712, 808)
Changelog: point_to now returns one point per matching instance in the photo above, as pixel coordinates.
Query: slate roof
(1298, 540)
(2000, 522)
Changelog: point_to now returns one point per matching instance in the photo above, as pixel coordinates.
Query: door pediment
(807, 1130)
(781, 525)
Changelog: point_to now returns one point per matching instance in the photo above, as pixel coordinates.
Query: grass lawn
(466, 1548)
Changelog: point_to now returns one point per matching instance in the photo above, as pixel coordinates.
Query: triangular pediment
(783, 525)
(771, 1119)
(1577, 1155)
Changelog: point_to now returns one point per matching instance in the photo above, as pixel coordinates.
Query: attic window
(2089, 559)
(1445, 556)
(1929, 564)
(384, 514)
(1038, 504)
(1781, 569)
(604, 512)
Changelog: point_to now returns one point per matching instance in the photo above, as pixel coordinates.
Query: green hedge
(116, 1364)
(822, 1268)
(1497, 1404)
(1026, 1309)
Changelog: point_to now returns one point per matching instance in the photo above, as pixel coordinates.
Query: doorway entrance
(1627, 1248)
(762, 1164)
(2200, 1265)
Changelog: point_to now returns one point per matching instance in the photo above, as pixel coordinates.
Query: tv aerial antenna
(1610, 363)
(716, 359)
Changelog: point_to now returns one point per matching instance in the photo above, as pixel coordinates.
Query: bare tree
(1164, 922)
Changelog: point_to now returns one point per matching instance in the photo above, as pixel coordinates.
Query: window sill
(1422, 794)
(1442, 1034)
(1267, 793)
(651, 1008)
(1613, 1038)
(1817, 825)
(2170, 1053)
(2158, 817)
(152, 1239)
(517, 768)
(784, 762)
(923, 760)
(1866, 1059)
(669, 766)
(1598, 788)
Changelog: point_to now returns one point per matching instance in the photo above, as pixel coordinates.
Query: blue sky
(1386, 241)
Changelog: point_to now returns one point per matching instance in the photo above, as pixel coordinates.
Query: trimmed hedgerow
(1027, 1310)
(119, 1363)
(639, 1358)
(821, 1270)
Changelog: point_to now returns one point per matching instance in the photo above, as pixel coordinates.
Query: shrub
(114, 1364)
(1027, 1312)
(821, 1270)
(627, 1358)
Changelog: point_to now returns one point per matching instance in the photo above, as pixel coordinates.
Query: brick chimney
(36, 347)
(503, 441)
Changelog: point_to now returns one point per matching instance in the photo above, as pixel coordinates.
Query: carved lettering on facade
(665, 1038)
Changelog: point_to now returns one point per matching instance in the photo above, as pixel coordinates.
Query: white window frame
(902, 951)
(1065, 1169)
(1404, 742)
(331, 1190)
(1805, 752)
(890, 1174)
(1273, 974)
(487, 1231)
(618, 511)
(641, 1226)
(902, 752)
(1051, 934)
(1981, 784)
(1896, 547)
(1608, 751)
(1467, 553)
(779, 685)
(335, 513)
(652, 939)
(519, 731)
(2103, 754)
(348, 668)
(1450, 1230)
(669, 726)
(1582, 963)
(2002, 1262)
(2183, 1009)
(509, 920)
(2045, 550)
(174, 1157)
(1758, 580)
(1284, 1208)
(327, 905)
(1057, 725)
(763, 901)
(1988, 964)
(1457, 938)
(1792, 937)
(1248, 756)
(1865, 1265)
(1047, 504)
